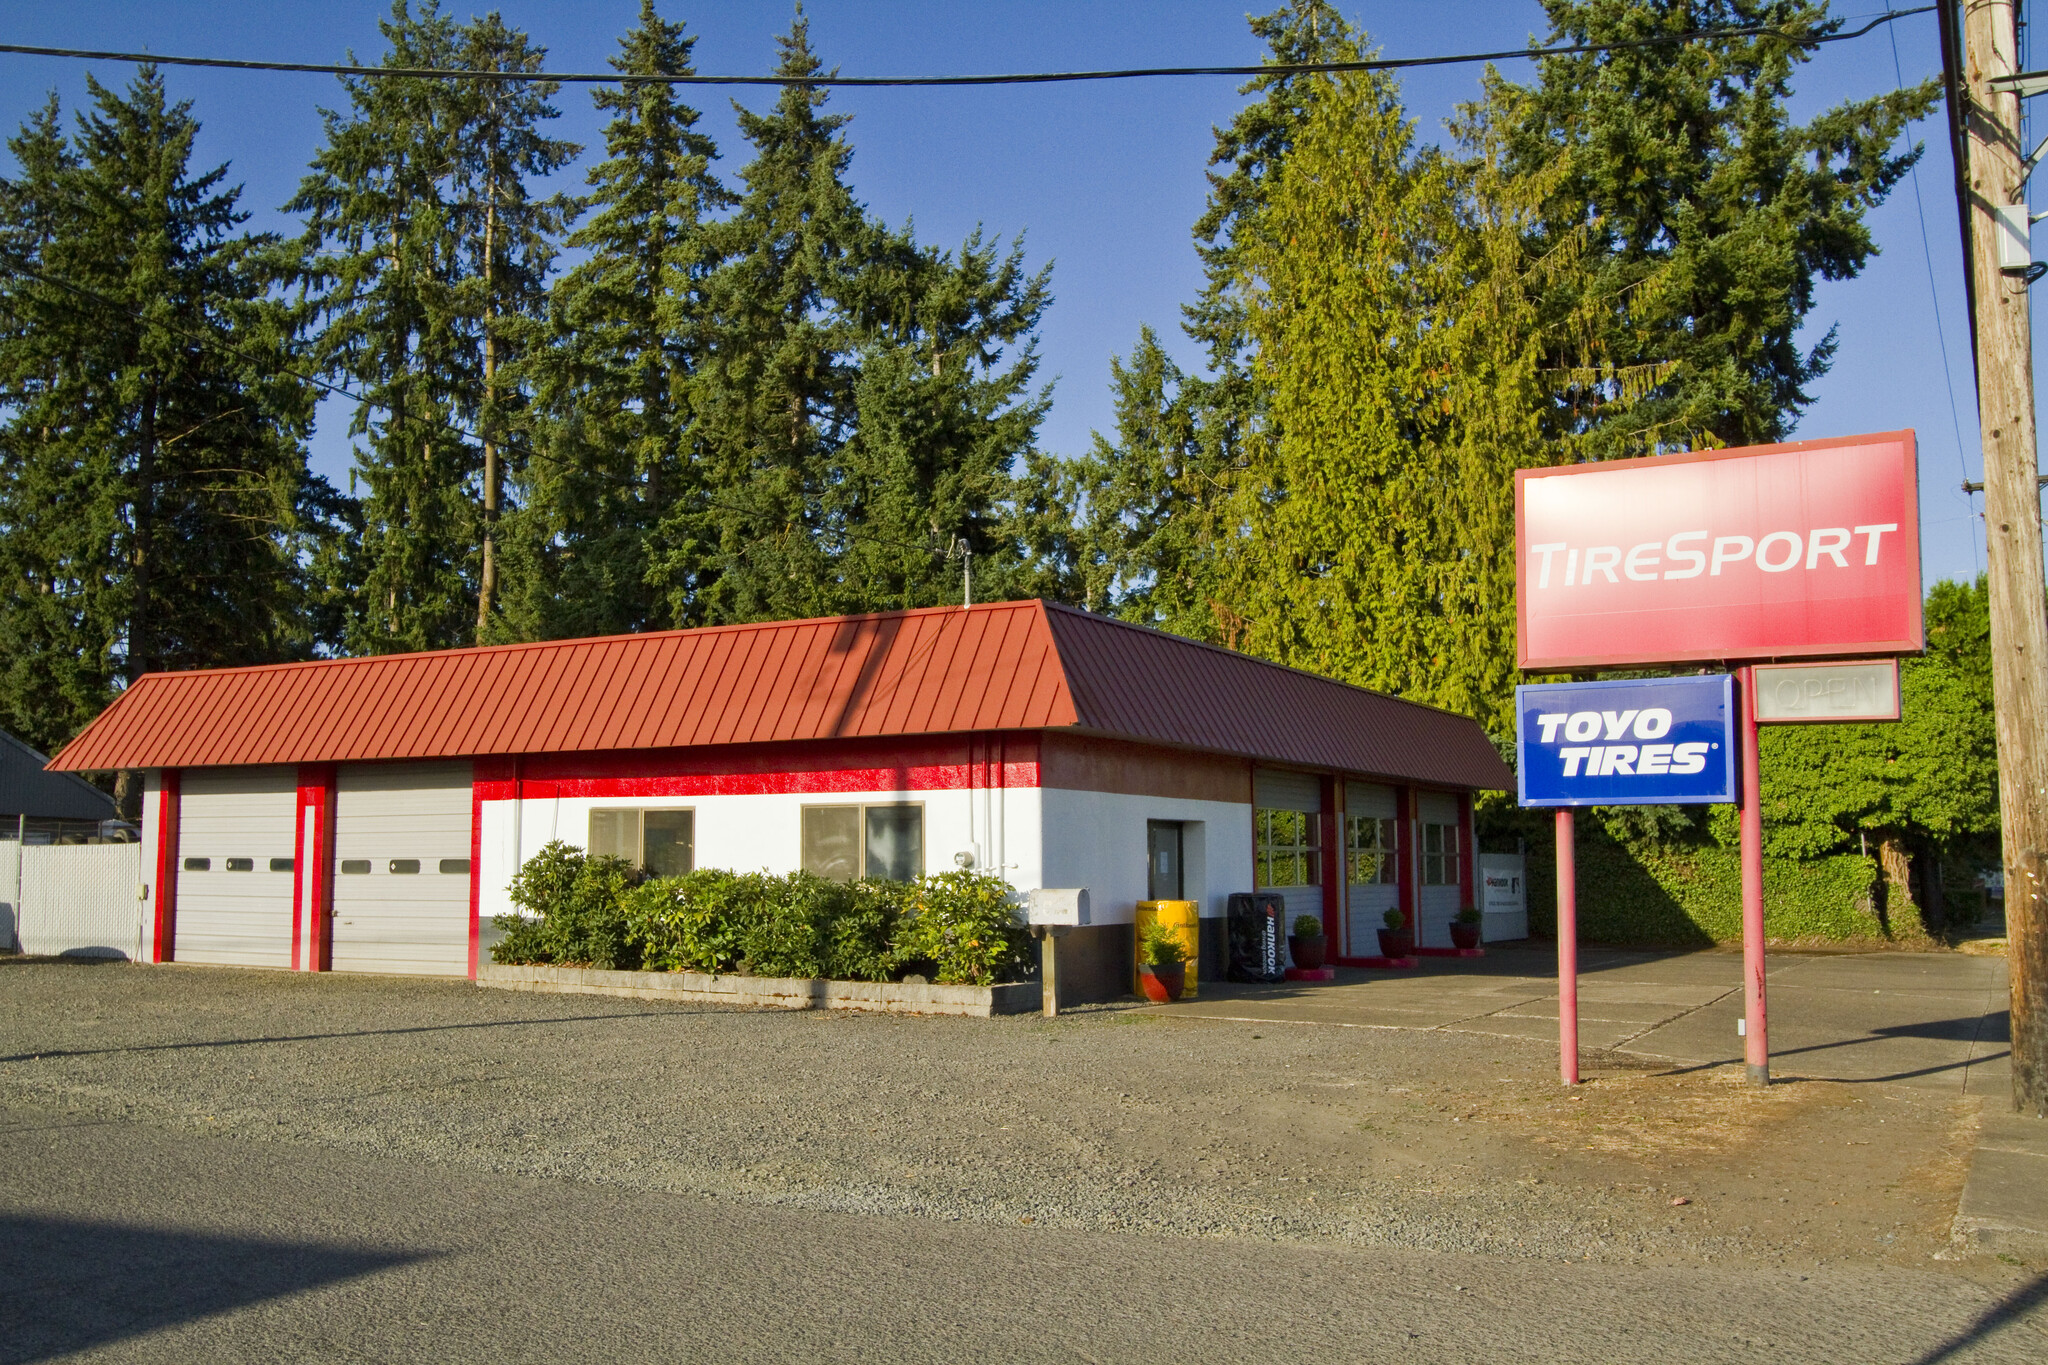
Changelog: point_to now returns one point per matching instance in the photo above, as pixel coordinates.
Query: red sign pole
(1757, 1049)
(1567, 951)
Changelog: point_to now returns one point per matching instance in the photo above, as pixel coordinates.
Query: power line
(1940, 332)
(1802, 38)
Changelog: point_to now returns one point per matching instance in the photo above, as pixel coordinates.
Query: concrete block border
(768, 992)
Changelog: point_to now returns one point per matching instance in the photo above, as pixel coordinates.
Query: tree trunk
(141, 632)
(1899, 911)
(487, 580)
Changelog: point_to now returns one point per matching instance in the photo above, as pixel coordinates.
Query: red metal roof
(1004, 666)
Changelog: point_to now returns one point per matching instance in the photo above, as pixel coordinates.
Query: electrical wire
(1940, 332)
(1803, 39)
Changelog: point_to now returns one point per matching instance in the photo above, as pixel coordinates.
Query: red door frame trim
(312, 919)
(1333, 862)
(164, 944)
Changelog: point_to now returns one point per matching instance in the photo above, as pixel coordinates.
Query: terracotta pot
(1464, 935)
(1163, 984)
(1397, 942)
(1309, 953)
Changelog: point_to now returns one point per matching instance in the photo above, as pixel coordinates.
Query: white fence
(80, 899)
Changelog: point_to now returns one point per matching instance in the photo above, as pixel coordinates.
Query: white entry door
(235, 842)
(401, 868)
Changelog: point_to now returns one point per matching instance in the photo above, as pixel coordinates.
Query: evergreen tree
(1153, 499)
(864, 402)
(422, 254)
(625, 332)
(509, 247)
(155, 507)
(1712, 214)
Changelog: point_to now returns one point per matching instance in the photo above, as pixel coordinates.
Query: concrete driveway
(1933, 1020)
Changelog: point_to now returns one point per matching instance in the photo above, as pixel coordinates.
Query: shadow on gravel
(203, 1043)
(2006, 1311)
(74, 1285)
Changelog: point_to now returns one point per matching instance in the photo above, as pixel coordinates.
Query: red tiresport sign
(1794, 551)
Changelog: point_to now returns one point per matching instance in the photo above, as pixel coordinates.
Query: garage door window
(664, 842)
(1440, 855)
(1369, 849)
(847, 843)
(1289, 848)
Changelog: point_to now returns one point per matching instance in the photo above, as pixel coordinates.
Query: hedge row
(1692, 897)
(955, 927)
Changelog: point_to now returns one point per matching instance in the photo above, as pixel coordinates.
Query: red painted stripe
(947, 777)
(166, 927)
(299, 869)
(476, 870)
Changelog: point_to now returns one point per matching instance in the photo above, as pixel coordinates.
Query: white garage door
(401, 869)
(235, 866)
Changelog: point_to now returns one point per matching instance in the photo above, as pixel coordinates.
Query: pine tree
(611, 370)
(155, 509)
(509, 247)
(1712, 213)
(421, 256)
(865, 401)
(1153, 499)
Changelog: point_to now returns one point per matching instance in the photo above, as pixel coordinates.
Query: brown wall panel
(1082, 763)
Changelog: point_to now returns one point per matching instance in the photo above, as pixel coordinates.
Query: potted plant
(1465, 928)
(1307, 943)
(1396, 940)
(1162, 963)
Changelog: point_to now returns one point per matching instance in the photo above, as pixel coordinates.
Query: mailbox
(1056, 907)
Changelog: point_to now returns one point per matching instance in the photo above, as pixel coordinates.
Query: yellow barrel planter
(1181, 916)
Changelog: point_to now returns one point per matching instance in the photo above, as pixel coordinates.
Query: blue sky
(1103, 179)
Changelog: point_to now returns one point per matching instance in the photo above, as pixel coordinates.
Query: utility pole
(1996, 184)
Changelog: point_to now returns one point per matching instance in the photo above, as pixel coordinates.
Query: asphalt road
(210, 1165)
(122, 1242)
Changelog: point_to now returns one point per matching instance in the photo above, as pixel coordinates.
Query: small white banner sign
(1787, 693)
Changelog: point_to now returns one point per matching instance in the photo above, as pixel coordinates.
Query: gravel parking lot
(1104, 1120)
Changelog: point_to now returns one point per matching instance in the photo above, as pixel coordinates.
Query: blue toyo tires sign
(1642, 742)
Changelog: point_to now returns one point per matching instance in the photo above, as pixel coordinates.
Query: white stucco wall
(1097, 840)
(998, 826)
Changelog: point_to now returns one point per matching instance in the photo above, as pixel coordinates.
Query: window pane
(831, 839)
(669, 841)
(895, 843)
(615, 834)
(355, 867)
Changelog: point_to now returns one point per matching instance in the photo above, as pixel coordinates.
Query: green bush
(962, 923)
(574, 915)
(958, 927)
(760, 925)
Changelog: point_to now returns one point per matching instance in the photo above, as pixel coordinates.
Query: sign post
(1567, 949)
(1640, 742)
(1756, 1049)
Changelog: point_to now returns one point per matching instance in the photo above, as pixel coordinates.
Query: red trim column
(164, 931)
(1333, 863)
(1468, 852)
(1404, 857)
(313, 865)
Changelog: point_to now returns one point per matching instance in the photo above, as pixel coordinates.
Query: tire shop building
(368, 814)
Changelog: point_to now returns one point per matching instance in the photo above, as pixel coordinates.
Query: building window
(664, 842)
(1440, 855)
(1369, 850)
(1289, 848)
(879, 843)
